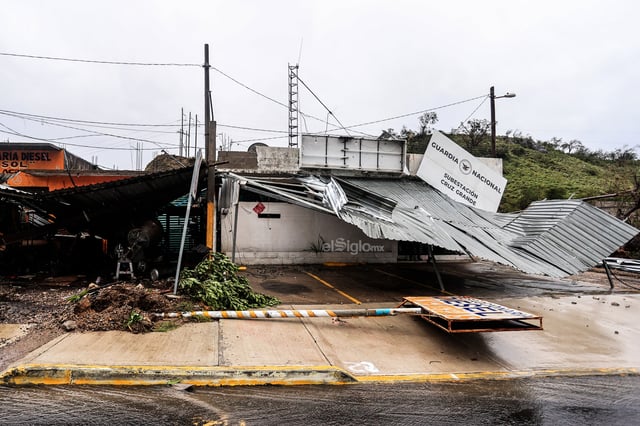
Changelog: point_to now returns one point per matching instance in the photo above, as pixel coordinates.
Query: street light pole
(493, 97)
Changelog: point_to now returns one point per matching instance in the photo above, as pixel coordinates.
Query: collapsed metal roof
(105, 207)
(555, 238)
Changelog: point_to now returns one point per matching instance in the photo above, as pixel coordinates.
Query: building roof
(44, 146)
(106, 207)
(555, 238)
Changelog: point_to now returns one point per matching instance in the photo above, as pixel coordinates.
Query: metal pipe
(291, 313)
(235, 231)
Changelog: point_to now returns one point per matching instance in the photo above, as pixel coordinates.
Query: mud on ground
(49, 307)
(43, 305)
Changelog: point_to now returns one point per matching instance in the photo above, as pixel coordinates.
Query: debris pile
(121, 306)
(214, 284)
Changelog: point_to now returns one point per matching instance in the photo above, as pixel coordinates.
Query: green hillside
(538, 170)
(553, 174)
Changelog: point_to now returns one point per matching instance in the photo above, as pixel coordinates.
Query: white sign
(341, 152)
(461, 176)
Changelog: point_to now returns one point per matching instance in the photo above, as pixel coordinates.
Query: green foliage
(537, 171)
(134, 318)
(76, 297)
(216, 282)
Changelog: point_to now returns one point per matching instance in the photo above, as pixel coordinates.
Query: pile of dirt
(117, 306)
(50, 307)
(123, 306)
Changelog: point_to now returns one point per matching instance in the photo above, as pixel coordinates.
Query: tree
(406, 133)
(389, 134)
(426, 120)
(556, 143)
(476, 131)
(572, 145)
(624, 155)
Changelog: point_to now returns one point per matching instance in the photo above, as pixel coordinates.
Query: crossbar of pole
(292, 313)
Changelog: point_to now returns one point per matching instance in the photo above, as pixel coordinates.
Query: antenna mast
(293, 106)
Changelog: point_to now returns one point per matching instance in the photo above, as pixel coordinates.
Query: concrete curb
(60, 374)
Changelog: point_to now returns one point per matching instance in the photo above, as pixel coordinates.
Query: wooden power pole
(210, 154)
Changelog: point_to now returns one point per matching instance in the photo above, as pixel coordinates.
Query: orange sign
(12, 161)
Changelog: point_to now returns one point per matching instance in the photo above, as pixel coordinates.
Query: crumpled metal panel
(579, 232)
(556, 238)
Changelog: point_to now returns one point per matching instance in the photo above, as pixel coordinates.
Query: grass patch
(164, 326)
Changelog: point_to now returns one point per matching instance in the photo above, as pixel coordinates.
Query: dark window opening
(269, 216)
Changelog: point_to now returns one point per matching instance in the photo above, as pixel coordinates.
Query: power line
(249, 88)
(346, 128)
(108, 125)
(53, 121)
(90, 61)
(53, 141)
(86, 121)
(95, 132)
(156, 64)
(261, 139)
(252, 129)
(415, 113)
(476, 109)
(322, 103)
(268, 97)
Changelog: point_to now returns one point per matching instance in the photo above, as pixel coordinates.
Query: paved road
(558, 401)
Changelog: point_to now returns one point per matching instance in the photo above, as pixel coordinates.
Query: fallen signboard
(462, 314)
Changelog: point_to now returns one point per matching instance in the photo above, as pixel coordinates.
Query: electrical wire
(416, 112)
(260, 139)
(340, 127)
(85, 121)
(89, 61)
(107, 124)
(622, 282)
(95, 132)
(476, 109)
(252, 128)
(267, 97)
(54, 122)
(249, 88)
(16, 133)
(322, 103)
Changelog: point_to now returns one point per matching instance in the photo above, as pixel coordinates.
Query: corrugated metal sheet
(556, 238)
(107, 206)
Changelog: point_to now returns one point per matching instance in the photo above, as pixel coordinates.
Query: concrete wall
(274, 159)
(299, 236)
(266, 159)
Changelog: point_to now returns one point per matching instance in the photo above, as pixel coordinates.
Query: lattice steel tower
(293, 106)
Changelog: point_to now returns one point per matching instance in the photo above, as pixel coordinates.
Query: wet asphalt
(609, 400)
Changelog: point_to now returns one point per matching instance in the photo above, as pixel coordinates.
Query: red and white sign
(259, 208)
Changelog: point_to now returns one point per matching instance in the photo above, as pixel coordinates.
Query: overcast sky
(574, 66)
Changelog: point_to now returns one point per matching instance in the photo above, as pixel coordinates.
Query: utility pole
(186, 152)
(195, 138)
(210, 153)
(181, 129)
(493, 97)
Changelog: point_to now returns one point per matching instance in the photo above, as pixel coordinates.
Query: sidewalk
(583, 335)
